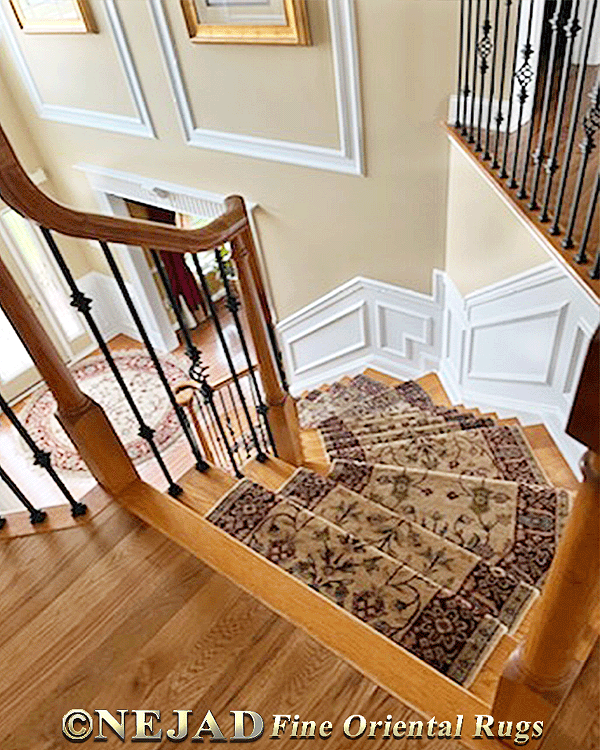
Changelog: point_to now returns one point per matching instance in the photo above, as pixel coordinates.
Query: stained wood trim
(396, 670)
(20, 193)
(552, 244)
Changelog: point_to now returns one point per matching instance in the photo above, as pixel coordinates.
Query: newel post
(81, 417)
(282, 414)
(541, 670)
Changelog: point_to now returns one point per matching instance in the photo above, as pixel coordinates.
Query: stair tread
(380, 590)
(428, 553)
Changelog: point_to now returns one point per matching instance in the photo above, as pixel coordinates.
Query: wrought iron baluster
(460, 60)
(234, 441)
(43, 459)
(35, 515)
(574, 123)
(201, 464)
(243, 436)
(83, 305)
(503, 172)
(540, 153)
(211, 431)
(259, 421)
(572, 28)
(525, 75)
(467, 91)
(197, 371)
(484, 48)
(233, 305)
(591, 123)
(581, 256)
(261, 456)
(486, 154)
(499, 115)
(472, 118)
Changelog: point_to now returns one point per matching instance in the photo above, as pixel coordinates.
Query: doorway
(29, 261)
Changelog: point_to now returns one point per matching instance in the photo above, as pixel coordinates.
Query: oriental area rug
(95, 378)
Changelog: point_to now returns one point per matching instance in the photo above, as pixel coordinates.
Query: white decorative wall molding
(517, 348)
(348, 158)
(363, 323)
(140, 125)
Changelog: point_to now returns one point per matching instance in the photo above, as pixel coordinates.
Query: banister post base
(98, 444)
(520, 697)
(283, 421)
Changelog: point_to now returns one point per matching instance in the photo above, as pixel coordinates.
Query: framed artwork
(54, 16)
(247, 21)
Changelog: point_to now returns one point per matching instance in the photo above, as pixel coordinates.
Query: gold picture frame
(295, 30)
(54, 16)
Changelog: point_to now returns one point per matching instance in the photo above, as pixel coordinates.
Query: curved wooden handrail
(20, 193)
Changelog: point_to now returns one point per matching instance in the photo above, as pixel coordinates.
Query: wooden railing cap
(20, 193)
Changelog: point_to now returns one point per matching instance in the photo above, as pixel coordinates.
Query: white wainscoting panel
(363, 323)
(517, 348)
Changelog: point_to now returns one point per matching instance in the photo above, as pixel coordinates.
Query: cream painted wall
(77, 252)
(318, 228)
(485, 241)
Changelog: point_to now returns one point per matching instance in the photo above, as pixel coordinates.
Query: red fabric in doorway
(181, 279)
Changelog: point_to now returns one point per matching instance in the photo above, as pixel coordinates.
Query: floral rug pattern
(96, 379)
(435, 526)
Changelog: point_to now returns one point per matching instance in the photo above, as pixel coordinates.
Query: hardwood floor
(115, 616)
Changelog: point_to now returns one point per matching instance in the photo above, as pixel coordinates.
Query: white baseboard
(515, 347)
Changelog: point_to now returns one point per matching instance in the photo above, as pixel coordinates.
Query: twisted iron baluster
(466, 90)
(197, 371)
(525, 76)
(460, 57)
(572, 28)
(511, 97)
(581, 256)
(591, 123)
(579, 90)
(499, 115)
(43, 459)
(83, 305)
(233, 305)
(260, 455)
(595, 272)
(486, 155)
(472, 119)
(484, 48)
(201, 464)
(35, 515)
(243, 436)
(540, 154)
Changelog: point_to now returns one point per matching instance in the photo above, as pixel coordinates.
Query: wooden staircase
(396, 670)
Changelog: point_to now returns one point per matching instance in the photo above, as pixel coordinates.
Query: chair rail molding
(348, 158)
(140, 125)
(516, 346)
